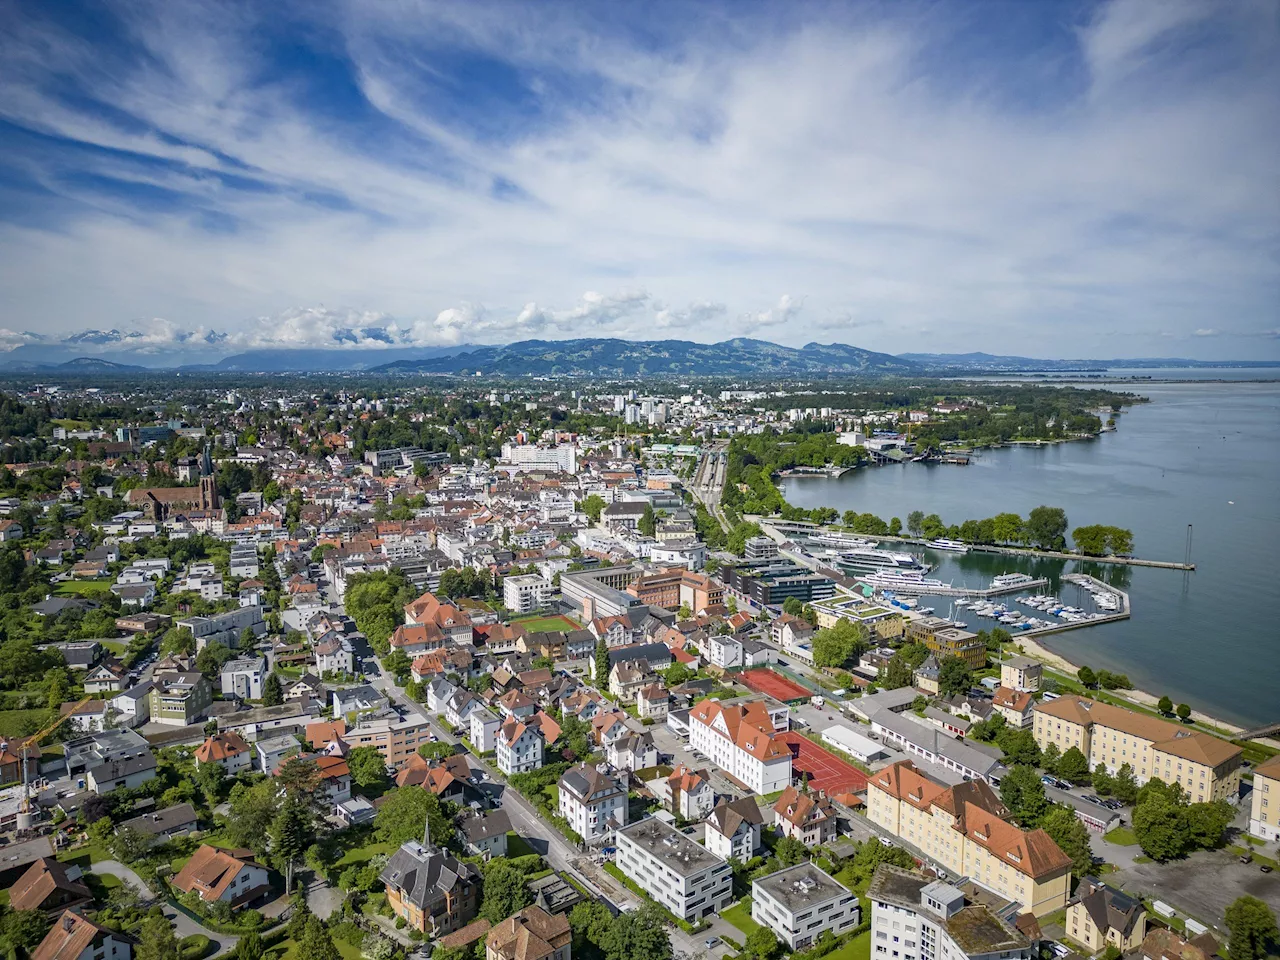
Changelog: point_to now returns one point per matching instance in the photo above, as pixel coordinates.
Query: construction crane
(24, 752)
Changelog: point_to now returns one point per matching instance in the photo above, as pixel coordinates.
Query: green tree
(1074, 766)
(790, 851)
(648, 524)
(915, 523)
(638, 936)
(954, 676)
(250, 947)
(177, 641)
(1184, 712)
(156, 940)
(1050, 757)
(895, 527)
(130, 844)
(1023, 793)
(368, 767)
(298, 919)
(1087, 676)
(1165, 705)
(1207, 823)
(316, 943)
(592, 507)
(763, 944)
(405, 812)
(1252, 930)
(896, 673)
(1019, 746)
(211, 779)
(253, 808)
(602, 664)
(24, 928)
(1161, 828)
(1046, 527)
(1072, 837)
(505, 890)
(291, 833)
(1125, 785)
(272, 691)
(1103, 784)
(836, 645)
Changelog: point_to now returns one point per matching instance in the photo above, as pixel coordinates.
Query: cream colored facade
(1025, 866)
(1264, 817)
(1123, 919)
(1205, 766)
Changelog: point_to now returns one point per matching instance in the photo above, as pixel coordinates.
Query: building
(519, 747)
(1264, 815)
(484, 730)
(1015, 706)
(677, 587)
(334, 655)
(76, 937)
(652, 702)
(690, 794)
(801, 903)
(226, 628)
(683, 876)
(433, 891)
(739, 739)
(531, 934)
(733, 829)
(963, 829)
(176, 821)
(772, 582)
(228, 750)
(1099, 917)
(220, 875)
(805, 817)
(918, 918)
(485, 834)
(945, 639)
(528, 456)
(396, 736)
(1163, 944)
(973, 761)
(760, 548)
(1206, 767)
(179, 699)
(244, 678)
(50, 887)
(526, 593)
(593, 803)
(270, 752)
(1021, 673)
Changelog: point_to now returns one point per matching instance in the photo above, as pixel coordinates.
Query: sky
(1054, 179)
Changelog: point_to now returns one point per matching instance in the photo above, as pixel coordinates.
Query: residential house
(1021, 673)
(179, 699)
(1099, 917)
(88, 716)
(652, 702)
(306, 687)
(458, 711)
(133, 706)
(244, 678)
(353, 701)
(216, 875)
(1165, 944)
(49, 886)
(632, 751)
(433, 891)
(484, 726)
(485, 834)
(75, 937)
(334, 655)
(593, 803)
(272, 751)
(1015, 706)
(800, 904)
(733, 829)
(805, 817)
(531, 934)
(109, 676)
(176, 821)
(691, 796)
(627, 677)
(519, 747)
(228, 750)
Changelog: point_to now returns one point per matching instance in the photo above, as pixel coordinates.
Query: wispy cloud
(492, 171)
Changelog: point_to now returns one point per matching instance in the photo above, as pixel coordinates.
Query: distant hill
(625, 358)
(323, 361)
(986, 362)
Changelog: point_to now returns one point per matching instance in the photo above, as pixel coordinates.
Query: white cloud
(1206, 332)
(857, 155)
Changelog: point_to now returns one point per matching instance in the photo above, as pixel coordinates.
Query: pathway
(183, 925)
(121, 872)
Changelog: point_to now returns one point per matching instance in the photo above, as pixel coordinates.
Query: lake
(1204, 454)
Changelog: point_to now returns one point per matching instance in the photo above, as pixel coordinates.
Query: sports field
(774, 684)
(827, 772)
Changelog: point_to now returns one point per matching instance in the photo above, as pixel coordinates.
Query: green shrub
(193, 947)
(401, 923)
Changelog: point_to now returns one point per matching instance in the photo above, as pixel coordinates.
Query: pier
(948, 591)
(785, 527)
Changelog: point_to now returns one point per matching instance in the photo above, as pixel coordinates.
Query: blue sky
(1045, 178)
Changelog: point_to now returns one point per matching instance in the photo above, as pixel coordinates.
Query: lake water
(1205, 454)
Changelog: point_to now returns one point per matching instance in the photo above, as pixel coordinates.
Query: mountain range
(360, 349)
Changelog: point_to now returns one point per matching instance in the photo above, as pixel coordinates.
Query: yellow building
(964, 829)
(1207, 767)
(1264, 818)
(1098, 917)
(945, 640)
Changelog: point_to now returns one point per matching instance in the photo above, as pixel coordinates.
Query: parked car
(1247, 858)
(1093, 799)
(1113, 804)
(1265, 868)
(711, 942)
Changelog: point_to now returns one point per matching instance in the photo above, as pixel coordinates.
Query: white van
(818, 702)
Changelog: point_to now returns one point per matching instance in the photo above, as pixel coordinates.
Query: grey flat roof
(801, 886)
(669, 845)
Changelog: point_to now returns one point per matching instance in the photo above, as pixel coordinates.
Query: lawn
(83, 856)
(517, 846)
(83, 588)
(859, 948)
(556, 624)
(18, 723)
(1121, 837)
(740, 916)
(118, 647)
(360, 855)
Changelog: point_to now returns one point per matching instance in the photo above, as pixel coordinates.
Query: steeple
(206, 462)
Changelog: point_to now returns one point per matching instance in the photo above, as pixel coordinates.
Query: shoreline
(1141, 698)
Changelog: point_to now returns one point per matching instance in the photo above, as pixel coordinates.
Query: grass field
(364, 854)
(15, 723)
(517, 846)
(1121, 837)
(83, 588)
(859, 948)
(740, 916)
(539, 624)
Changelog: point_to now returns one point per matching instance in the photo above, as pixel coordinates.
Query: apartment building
(945, 639)
(526, 593)
(801, 903)
(683, 876)
(244, 678)
(1021, 673)
(677, 587)
(1206, 767)
(1099, 917)
(519, 747)
(395, 736)
(225, 628)
(593, 803)
(739, 738)
(914, 917)
(1264, 815)
(179, 699)
(963, 828)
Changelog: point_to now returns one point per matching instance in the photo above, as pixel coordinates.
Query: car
(711, 942)
(1247, 858)
(1092, 799)
(1265, 868)
(1048, 781)
(1113, 804)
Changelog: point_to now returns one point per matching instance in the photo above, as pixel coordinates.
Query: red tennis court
(827, 772)
(775, 685)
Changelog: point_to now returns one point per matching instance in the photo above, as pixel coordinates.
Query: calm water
(1205, 454)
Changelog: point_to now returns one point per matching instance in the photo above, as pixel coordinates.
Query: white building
(526, 593)
(800, 903)
(733, 829)
(915, 918)
(244, 678)
(593, 803)
(484, 730)
(519, 747)
(529, 456)
(738, 737)
(683, 876)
